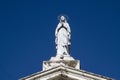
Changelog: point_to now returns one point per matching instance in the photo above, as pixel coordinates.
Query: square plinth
(68, 63)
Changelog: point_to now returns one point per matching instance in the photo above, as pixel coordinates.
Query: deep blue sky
(27, 35)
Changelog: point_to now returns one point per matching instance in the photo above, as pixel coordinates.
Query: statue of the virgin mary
(63, 35)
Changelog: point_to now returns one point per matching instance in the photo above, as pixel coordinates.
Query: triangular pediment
(65, 73)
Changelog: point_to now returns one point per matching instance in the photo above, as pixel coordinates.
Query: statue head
(62, 19)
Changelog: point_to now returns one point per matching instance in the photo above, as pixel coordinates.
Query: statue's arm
(68, 27)
(69, 30)
(56, 31)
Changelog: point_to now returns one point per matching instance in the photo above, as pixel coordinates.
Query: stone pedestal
(66, 61)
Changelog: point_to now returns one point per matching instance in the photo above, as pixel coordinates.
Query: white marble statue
(63, 35)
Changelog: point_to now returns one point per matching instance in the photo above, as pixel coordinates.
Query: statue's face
(62, 18)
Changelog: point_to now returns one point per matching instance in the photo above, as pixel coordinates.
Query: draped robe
(62, 39)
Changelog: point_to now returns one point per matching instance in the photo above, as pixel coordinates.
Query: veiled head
(62, 18)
